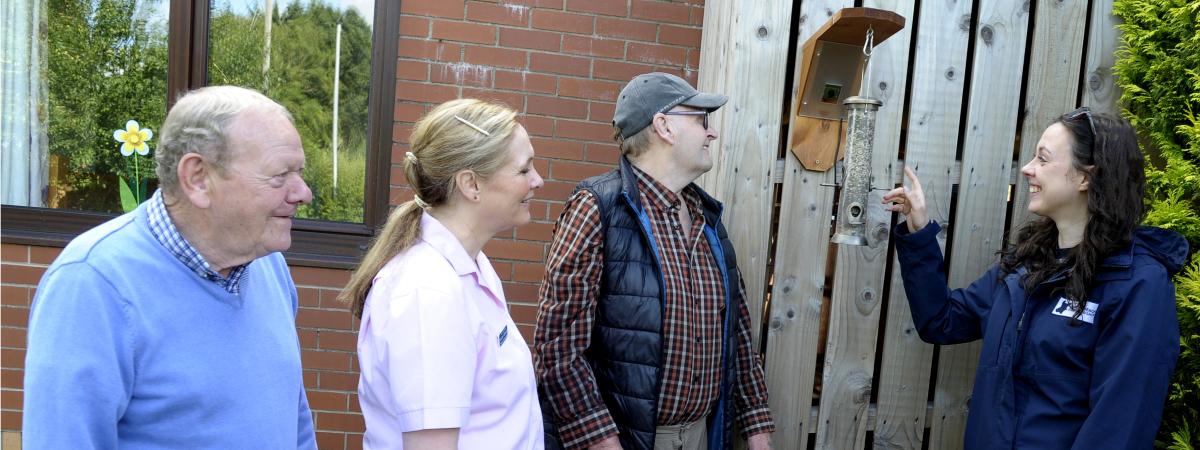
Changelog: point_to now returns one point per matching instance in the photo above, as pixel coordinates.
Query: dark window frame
(314, 242)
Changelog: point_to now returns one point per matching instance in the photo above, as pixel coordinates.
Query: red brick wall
(560, 63)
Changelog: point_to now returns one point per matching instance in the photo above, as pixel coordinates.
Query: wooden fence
(967, 87)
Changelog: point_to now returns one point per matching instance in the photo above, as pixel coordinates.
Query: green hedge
(1158, 69)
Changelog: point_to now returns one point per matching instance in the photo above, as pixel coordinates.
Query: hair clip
(476, 127)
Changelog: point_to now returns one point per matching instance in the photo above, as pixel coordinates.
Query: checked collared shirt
(165, 232)
(694, 299)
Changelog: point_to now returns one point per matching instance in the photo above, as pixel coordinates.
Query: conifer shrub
(1158, 70)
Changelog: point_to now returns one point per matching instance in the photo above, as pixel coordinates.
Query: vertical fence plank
(799, 272)
(1056, 58)
(743, 54)
(1100, 91)
(859, 274)
(978, 225)
(939, 75)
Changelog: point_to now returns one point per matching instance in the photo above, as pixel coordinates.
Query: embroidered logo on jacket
(1066, 308)
(503, 336)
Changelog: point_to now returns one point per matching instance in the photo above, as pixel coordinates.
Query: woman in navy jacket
(1078, 318)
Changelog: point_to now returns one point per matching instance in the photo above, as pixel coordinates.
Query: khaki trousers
(689, 436)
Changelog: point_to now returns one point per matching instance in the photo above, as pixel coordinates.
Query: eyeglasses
(702, 114)
(1085, 112)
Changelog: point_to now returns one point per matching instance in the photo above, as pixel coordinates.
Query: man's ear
(662, 127)
(467, 184)
(195, 183)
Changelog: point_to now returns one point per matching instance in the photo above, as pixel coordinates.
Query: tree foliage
(1158, 69)
(300, 76)
(107, 64)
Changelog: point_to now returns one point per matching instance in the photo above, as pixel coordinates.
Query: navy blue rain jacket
(1043, 383)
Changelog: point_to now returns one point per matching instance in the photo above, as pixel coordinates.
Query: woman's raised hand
(909, 201)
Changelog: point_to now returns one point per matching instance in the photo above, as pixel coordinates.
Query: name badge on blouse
(503, 336)
(1066, 308)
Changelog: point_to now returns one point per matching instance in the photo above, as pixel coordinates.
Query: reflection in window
(97, 66)
(314, 57)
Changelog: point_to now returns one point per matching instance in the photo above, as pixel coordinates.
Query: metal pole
(337, 68)
(268, 15)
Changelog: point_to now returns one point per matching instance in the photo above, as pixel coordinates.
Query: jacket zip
(1018, 353)
(1019, 350)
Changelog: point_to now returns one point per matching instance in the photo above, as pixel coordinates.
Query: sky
(366, 8)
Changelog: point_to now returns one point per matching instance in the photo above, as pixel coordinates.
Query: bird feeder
(838, 61)
(860, 136)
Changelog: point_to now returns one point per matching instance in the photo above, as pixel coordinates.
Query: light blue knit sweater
(128, 348)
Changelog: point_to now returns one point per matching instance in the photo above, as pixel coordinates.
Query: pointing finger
(912, 178)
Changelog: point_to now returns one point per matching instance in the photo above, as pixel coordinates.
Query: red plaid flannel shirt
(691, 330)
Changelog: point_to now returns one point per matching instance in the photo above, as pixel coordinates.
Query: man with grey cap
(643, 335)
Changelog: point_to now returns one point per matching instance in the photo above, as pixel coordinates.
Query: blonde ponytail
(398, 234)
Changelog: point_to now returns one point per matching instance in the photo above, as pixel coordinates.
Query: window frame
(314, 242)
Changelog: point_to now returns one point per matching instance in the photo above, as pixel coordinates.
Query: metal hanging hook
(869, 45)
(864, 90)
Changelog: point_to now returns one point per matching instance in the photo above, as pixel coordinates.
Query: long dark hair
(1105, 150)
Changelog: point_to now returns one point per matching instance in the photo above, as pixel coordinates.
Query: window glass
(70, 92)
(314, 57)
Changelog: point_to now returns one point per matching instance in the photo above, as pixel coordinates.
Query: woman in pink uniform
(442, 364)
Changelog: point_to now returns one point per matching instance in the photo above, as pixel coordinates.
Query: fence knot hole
(987, 34)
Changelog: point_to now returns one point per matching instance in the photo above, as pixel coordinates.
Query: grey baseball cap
(656, 92)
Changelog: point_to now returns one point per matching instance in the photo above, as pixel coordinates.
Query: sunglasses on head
(702, 114)
(1085, 112)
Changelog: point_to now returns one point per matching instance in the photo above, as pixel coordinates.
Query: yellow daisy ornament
(133, 138)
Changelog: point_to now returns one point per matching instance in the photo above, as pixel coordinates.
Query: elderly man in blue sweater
(172, 326)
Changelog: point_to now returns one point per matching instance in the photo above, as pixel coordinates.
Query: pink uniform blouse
(438, 349)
